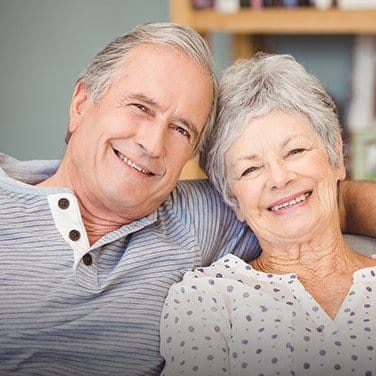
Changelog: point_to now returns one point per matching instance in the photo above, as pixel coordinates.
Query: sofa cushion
(362, 244)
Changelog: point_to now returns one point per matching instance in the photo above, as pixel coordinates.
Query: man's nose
(279, 174)
(152, 138)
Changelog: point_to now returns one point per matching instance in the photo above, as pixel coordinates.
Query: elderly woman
(307, 304)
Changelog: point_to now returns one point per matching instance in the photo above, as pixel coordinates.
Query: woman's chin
(292, 234)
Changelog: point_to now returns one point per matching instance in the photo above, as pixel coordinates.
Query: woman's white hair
(254, 87)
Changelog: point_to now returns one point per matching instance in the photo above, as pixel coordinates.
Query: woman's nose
(279, 175)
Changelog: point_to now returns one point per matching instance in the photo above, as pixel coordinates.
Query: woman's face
(282, 178)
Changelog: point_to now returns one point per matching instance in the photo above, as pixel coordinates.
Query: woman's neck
(324, 266)
(317, 257)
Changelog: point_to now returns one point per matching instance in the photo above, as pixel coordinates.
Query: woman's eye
(249, 171)
(296, 151)
(140, 107)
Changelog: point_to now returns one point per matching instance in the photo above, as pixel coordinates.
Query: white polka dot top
(230, 319)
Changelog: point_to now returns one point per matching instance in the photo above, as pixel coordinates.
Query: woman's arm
(195, 331)
(357, 206)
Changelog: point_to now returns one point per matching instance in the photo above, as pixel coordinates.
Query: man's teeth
(293, 202)
(131, 163)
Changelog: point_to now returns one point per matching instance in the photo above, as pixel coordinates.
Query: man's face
(127, 151)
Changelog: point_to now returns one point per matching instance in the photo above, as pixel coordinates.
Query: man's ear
(80, 100)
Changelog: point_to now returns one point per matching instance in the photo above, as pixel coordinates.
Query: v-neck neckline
(307, 301)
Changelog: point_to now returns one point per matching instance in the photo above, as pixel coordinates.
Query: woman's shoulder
(213, 286)
(228, 266)
(215, 279)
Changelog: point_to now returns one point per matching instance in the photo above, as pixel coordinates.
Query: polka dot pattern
(229, 319)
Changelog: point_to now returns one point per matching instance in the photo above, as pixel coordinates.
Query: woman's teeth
(290, 203)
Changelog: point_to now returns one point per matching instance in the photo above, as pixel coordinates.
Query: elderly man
(90, 246)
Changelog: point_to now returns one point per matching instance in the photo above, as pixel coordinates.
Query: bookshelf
(248, 26)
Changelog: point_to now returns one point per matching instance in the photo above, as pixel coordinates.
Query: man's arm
(357, 206)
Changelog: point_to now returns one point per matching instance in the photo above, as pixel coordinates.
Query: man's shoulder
(195, 191)
(197, 196)
(195, 203)
(198, 184)
(30, 172)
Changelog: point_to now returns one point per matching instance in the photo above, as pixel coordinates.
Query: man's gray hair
(104, 68)
(254, 87)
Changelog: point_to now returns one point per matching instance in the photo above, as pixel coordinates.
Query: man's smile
(132, 164)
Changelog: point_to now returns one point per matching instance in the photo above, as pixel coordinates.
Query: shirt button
(74, 235)
(87, 259)
(63, 203)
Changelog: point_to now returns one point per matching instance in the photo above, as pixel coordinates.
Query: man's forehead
(146, 51)
(147, 60)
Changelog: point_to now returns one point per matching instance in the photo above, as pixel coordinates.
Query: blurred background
(44, 45)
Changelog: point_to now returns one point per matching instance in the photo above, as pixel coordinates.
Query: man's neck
(98, 219)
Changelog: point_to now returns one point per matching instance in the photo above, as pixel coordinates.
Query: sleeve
(215, 225)
(195, 330)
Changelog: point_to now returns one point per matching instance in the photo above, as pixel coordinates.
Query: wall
(44, 45)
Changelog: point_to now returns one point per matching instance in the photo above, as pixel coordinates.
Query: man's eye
(249, 171)
(183, 131)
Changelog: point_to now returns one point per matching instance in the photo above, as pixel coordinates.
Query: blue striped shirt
(65, 313)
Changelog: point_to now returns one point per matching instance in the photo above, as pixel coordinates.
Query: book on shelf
(232, 6)
(202, 4)
(362, 107)
(305, 3)
(323, 4)
(290, 3)
(245, 3)
(272, 3)
(254, 4)
(227, 6)
(356, 4)
(287, 3)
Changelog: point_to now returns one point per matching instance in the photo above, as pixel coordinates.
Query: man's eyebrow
(143, 98)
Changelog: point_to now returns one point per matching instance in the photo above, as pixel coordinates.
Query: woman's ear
(238, 213)
(235, 204)
(341, 163)
(80, 100)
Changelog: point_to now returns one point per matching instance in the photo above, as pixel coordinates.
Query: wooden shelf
(276, 20)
